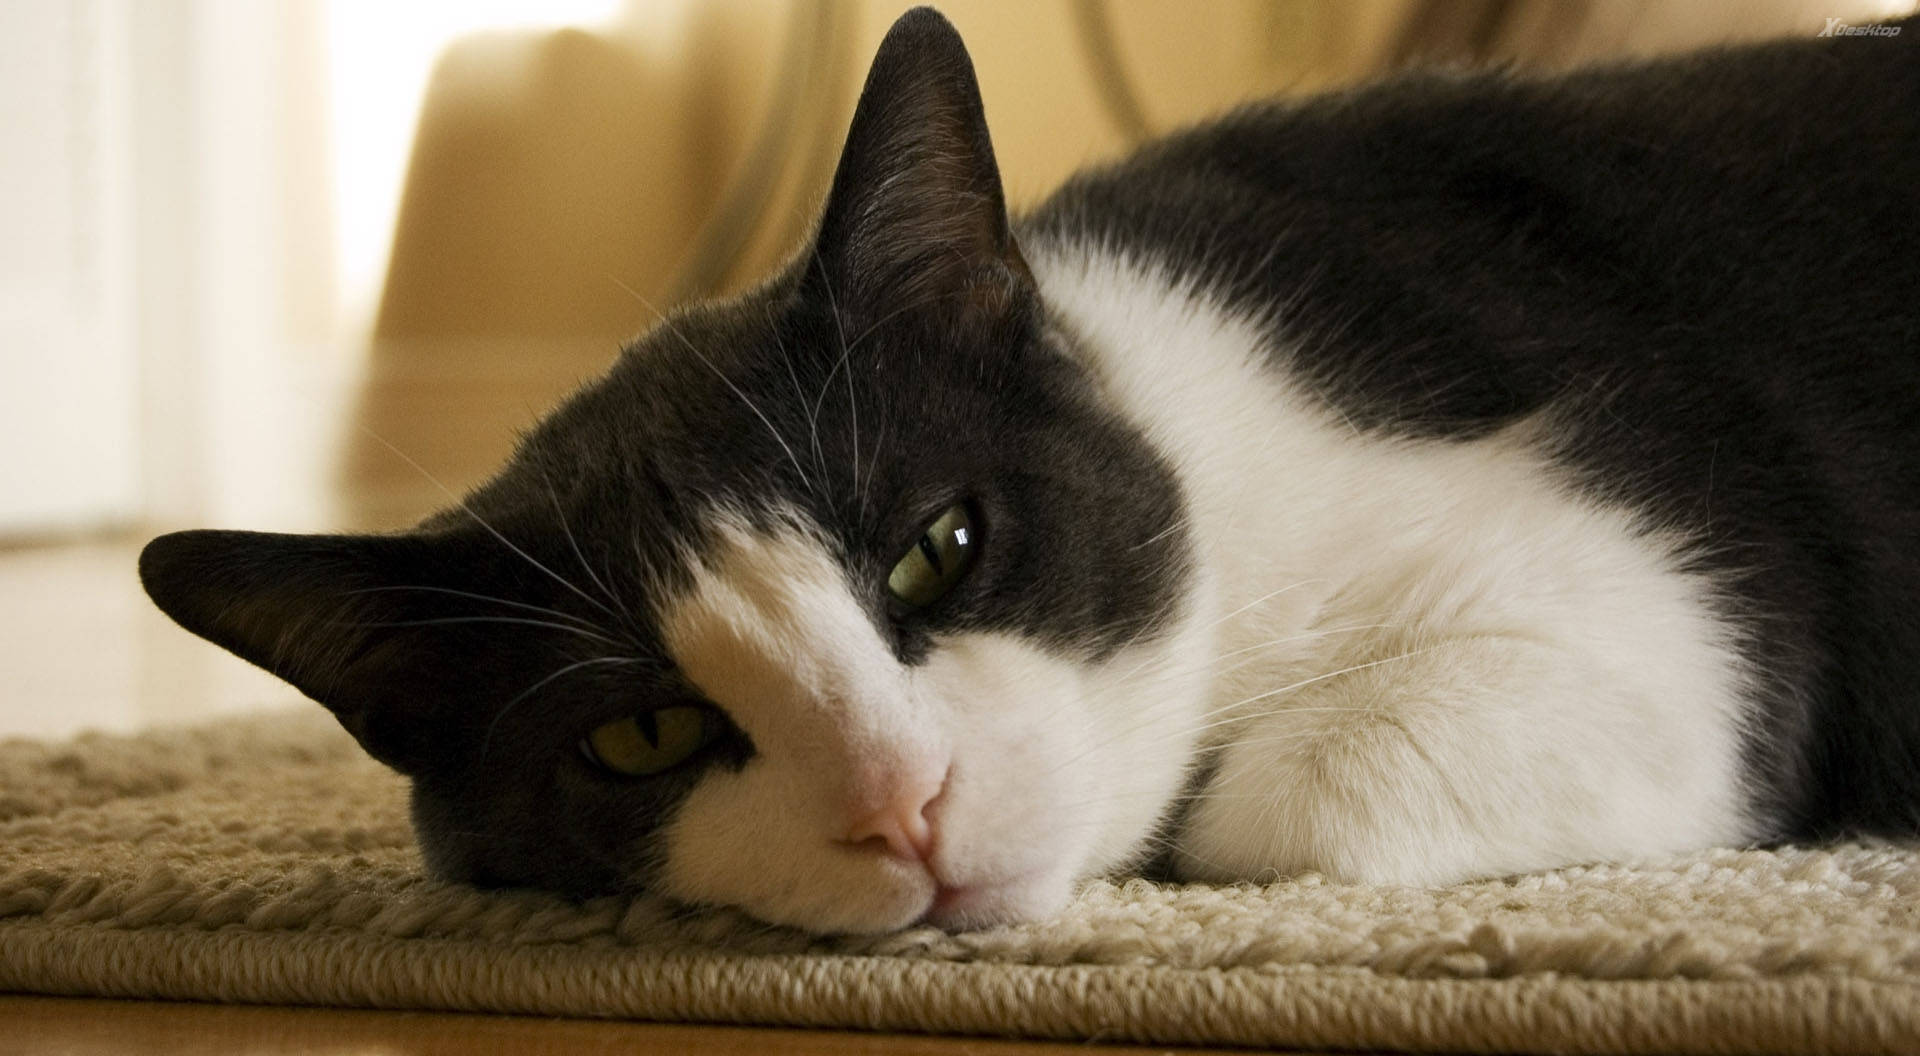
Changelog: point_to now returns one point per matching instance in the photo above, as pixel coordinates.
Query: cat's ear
(316, 610)
(916, 215)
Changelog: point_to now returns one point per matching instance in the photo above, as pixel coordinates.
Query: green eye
(650, 742)
(936, 562)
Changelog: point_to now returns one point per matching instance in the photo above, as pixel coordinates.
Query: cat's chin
(1024, 897)
(897, 896)
(974, 904)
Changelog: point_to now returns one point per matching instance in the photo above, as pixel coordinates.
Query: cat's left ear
(327, 614)
(916, 215)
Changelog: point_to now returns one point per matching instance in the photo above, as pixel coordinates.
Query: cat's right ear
(916, 214)
(316, 610)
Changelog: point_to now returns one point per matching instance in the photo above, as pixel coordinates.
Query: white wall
(68, 399)
(196, 199)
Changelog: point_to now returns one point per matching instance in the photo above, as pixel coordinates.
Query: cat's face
(846, 603)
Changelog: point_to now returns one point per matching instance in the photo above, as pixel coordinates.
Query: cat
(1451, 478)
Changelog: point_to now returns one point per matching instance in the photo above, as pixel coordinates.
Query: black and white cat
(1454, 478)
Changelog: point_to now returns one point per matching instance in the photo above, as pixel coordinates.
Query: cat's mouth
(955, 903)
(1021, 896)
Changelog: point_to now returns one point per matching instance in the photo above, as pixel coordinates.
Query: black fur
(1705, 267)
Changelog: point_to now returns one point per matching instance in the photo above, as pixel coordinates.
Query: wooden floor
(71, 1027)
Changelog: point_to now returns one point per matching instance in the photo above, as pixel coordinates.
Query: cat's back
(1698, 274)
(1708, 207)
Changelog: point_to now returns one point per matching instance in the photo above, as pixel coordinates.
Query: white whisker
(469, 511)
(447, 620)
(567, 530)
(846, 361)
(487, 739)
(724, 380)
(589, 624)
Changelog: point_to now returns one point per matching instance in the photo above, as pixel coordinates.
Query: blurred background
(309, 264)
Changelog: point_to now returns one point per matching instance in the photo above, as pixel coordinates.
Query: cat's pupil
(930, 552)
(937, 560)
(650, 742)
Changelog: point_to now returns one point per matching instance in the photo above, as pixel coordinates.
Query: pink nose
(900, 830)
(903, 827)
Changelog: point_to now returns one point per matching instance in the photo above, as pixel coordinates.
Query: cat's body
(1451, 479)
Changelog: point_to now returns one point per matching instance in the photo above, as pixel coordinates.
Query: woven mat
(265, 860)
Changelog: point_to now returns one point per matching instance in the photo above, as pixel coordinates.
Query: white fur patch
(1411, 662)
(1436, 660)
(1051, 770)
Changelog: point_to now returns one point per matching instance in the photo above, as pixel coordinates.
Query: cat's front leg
(1432, 761)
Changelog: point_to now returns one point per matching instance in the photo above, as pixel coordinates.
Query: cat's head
(845, 603)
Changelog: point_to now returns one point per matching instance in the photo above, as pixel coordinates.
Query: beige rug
(266, 861)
